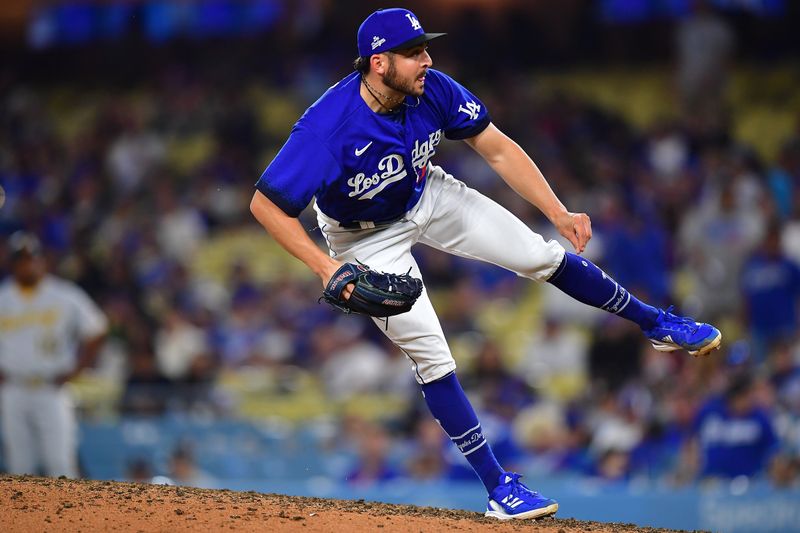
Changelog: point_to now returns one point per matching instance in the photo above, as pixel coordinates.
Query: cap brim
(419, 39)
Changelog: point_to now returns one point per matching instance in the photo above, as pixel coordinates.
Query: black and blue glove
(374, 293)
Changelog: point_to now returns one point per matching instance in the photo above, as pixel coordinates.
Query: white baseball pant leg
(39, 429)
(57, 428)
(458, 220)
(19, 441)
(466, 223)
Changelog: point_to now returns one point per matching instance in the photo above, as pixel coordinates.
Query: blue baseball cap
(392, 29)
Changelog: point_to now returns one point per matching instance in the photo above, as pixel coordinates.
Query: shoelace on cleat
(519, 489)
(683, 320)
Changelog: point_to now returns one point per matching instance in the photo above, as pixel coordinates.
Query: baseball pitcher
(364, 153)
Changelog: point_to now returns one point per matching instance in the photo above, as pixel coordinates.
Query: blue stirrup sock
(451, 408)
(584, 281)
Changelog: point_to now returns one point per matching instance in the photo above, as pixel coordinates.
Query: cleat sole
(670, 347)
(713, 345)
(664, 346)
(534, 513)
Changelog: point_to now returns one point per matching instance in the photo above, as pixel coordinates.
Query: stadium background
(131, 134)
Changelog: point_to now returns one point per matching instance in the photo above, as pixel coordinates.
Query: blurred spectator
(747, 181)
(784, 181)
(667, 151)
(613, 466)
(459, 310)
(654, 456)
(500, 392)
(784, 369)
(183, 356)
(269, 313)
(183, 469)
(396, 378)
(555, 361)
(732, 435)
(181, 228)
(615, 427)
(784, 472)
(134, 153)
(181, 349)
(705, 45)
(770, 284)
(783, 178)
(614, 353)
(442, 271)
(716, 237)
(146, 391)
(240, 335)
(348, 364)
(373, 457)
(139, 471)
(542, 432)
(785, 379)
(635, 249)
(427, 457)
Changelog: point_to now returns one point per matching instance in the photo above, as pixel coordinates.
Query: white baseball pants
(39, 430)
(456, 219)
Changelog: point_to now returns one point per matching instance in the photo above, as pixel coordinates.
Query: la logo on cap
(414, 22)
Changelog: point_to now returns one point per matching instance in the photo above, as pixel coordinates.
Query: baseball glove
(375, 294)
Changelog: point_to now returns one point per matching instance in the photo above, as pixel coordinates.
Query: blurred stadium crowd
(140, 192)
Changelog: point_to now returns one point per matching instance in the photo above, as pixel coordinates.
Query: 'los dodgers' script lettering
(392, 170)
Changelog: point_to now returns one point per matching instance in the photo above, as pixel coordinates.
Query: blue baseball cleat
(512, 499)
(673, 332)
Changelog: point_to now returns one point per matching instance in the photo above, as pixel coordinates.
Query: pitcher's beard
(391, 80)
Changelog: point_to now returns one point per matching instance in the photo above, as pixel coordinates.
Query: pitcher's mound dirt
(44, 504)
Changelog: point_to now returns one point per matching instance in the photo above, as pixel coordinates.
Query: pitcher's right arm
(291, 235)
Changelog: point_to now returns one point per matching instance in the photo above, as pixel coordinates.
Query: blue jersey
(734, 445)
(771, 286)
(367, 166)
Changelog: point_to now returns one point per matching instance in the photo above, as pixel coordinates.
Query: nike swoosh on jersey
(362, 150)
